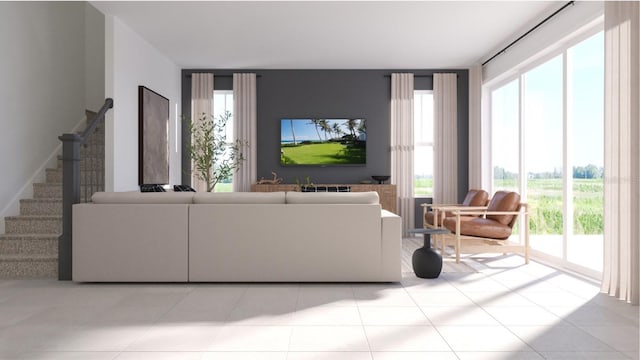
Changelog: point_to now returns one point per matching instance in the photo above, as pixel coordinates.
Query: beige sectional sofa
(235, 237)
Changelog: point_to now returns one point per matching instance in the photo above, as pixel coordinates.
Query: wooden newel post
(70, 195)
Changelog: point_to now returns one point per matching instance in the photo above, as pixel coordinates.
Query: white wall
(42, 82)
(94, 58)
(131, 61)
(537, 43)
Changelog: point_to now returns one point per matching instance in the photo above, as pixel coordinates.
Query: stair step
(42, 206)
(28, 266)
(86, 163)
(47, 190)
(55, 175)
(29, 244)
(33, 224)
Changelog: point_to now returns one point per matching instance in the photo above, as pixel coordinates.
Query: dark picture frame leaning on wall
(153, 137)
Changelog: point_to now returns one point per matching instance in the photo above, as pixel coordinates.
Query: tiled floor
(505, 310)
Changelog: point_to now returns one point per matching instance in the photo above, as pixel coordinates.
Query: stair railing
(77, 188)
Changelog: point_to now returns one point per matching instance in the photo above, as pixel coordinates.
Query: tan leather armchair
(475, 198)
(487, 231)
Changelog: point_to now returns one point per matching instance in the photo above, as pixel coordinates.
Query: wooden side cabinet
(387, 192)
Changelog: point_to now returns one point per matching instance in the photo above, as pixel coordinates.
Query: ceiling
(328, 34)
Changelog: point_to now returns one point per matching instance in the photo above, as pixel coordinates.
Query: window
(423, 143)
(546, 136)
(505, 129)
(223, 102)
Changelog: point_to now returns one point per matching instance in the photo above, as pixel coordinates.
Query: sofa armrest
(391, 243)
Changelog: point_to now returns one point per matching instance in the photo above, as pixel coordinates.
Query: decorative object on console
(153, 137)
(325, 188)
(151, 188)
(179, 188)
(213, 157)
(275, 180)
(380, 178)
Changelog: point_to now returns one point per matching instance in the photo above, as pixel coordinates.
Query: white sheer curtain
(201, 102)
(622, 151)
(402, 145)
(244, 122)
(475, 127)
(445, 138)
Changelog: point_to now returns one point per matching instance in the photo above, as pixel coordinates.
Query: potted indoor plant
(213, 158)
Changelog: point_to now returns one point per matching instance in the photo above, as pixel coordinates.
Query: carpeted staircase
(29, 247)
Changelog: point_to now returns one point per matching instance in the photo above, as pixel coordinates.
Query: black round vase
(426, 263)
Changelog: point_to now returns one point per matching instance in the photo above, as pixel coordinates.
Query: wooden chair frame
(476, 244)
(441, 209)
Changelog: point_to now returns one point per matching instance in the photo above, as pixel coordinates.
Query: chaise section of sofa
(131, 237)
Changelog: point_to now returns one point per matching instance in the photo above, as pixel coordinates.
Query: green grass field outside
(545, 204)
(322, 153)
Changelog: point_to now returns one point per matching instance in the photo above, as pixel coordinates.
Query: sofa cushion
(134, 197)
(276, 197)
(365, 197)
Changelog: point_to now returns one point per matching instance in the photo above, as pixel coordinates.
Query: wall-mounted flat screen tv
(323, 142)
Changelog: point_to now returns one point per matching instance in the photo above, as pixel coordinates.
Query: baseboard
(26, 191)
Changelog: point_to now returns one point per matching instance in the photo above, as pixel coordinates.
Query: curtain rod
(418, 76)
(528, 32)
(224, 76)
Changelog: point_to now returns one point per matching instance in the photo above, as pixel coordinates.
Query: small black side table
(426, 262)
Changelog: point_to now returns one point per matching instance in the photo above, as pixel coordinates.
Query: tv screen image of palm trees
(323, 141)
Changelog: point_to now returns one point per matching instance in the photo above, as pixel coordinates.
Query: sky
(305, 130)
(543, 112)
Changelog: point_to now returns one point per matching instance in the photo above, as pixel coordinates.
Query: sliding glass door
(543, 153)
(585, 94)
(547, 144)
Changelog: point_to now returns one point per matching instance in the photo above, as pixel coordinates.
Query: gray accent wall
(330, 94)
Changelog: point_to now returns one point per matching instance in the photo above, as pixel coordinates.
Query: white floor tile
(405, 338)
(328, 338)
(499, 355)
(504, 311)
(244, 355)
(621, 338)
(592, 315)
(212, 314)
(312, 295)
(482, 338)
(459, 315)
(393, 315)
(93, 338)
(431, 299)
(382, 295)
(344, 355)
(176, 338)
(528, 315)
(62, 355)
(500, 299)
(634, 355)
(22, 338)
(433, 285)
(413, 355)
(579, 355)
(559, 338)
(557, 298)
(252, 338)
(159, 355)
(327, 315)
(14, 315)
